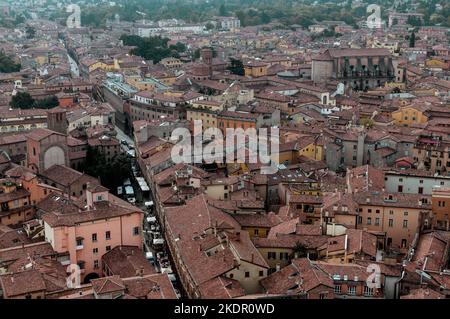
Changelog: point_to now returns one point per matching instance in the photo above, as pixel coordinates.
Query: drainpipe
(397, 283)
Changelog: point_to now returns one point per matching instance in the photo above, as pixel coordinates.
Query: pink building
(86, 231)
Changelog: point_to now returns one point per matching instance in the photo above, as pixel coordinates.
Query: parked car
(150, 257)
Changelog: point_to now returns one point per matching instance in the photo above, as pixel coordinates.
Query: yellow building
(208, 118)
(90, 65)
(255, 69)
(41, 59)
(312, 151)
(165, 78)
(208, 104)
(410, 114)
(436, 64)
(306, 146)
(171, 63)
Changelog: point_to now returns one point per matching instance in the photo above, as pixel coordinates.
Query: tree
(196, 54)
(299, 250)
(30, 32)
(96, 165)
(265, 18)
(209, 26)
(47, 103)
(236, 67)
(22, 100)
(153, 48)
(369, 123)
(223, 10)
(412, 40)
(7, 65)
(414, 21)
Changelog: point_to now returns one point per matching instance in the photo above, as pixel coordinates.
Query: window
(108, 235)
(405, 214)
(108, 248)
(256, 232)
(403, 243)
(261, 273)
(405, 223)
(231, 276)
(323, 295)
(368, 291)
(377, 222)
(391, 212)
(95, 251)
(377, 211)
(271, 255)
(391, 223)
(337, 289)
(359, 219)
(400, 188)
(247, 274)
(95, 264)
(351, 290)
(94, 238)
(420, 190)
(79, 242)
(136, 231)
(369, 210)
(369, 221)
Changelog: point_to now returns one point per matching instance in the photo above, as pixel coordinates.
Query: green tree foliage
(412, 40)
(30, 32)
(23, 100)
(7, 65)
(47, 103)
(414, 21)
(153, 48)
(223, 10)
(299, 250)
(209, 26)
(111, 173)
(236, 67)
(252, 12)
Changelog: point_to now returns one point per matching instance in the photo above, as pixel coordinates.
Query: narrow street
(122, 136)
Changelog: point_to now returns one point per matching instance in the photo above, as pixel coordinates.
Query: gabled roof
(107, 285)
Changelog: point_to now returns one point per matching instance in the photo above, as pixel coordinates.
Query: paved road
(122, 136)
(73, 67)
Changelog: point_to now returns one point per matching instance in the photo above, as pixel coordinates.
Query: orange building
(31, 183)
(15, 206)
(231, 119)
(440, 205)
